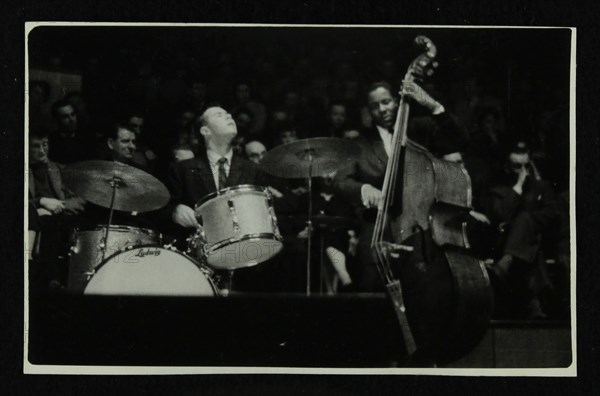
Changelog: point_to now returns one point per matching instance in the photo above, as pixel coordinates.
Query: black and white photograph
(255, 198)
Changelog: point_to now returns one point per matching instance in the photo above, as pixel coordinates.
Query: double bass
(440, 292)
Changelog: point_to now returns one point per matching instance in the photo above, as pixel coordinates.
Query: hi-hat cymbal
(136, 190)
(309, 157)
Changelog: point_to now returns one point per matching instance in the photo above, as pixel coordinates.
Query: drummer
(215, 168)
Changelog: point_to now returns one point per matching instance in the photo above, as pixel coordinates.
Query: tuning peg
(429, 73)
(434, 64)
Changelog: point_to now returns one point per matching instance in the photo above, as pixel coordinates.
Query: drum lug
(171, 246)
(196, 241)
(235, 220)
(274, 222)
(89, 274)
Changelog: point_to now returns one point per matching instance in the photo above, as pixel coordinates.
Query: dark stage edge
(357, 331)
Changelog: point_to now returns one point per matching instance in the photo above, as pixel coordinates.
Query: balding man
(255, 151)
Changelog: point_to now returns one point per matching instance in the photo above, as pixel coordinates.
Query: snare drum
(150, 271)
(239, 228)
(87, 249)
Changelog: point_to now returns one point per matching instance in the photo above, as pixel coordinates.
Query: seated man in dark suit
(523, 206)
(218, 167)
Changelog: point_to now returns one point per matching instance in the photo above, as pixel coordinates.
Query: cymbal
(136, 190)
(325, 222)
(312, 157)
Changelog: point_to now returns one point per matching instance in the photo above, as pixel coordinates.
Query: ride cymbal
(312, 157)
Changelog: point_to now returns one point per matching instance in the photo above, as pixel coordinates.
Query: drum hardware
(234, 218)
(171, 246)
(305, 159)
(271, 210)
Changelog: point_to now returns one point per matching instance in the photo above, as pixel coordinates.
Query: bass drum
(151, 271)
(87, 249)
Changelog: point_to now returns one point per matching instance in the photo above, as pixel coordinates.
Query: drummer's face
(218, 122)
(124, 146)
(382, 107)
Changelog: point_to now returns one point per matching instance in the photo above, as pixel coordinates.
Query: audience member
(255, 151)
(523, 206)
(69, 142)
(243, 100)
(55, 208)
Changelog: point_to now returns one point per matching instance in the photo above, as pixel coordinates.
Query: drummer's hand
(371, 197)
(184, 216)
(413, 90)
(52, 205)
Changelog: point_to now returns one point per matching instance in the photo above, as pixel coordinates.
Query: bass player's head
(382, 104)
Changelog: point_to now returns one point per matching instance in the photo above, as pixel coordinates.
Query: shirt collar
(383, 131)
(214, 157)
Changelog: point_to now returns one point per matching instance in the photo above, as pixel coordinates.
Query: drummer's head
(217, 125)
(38, 146)
(121, 143)
(382, 104)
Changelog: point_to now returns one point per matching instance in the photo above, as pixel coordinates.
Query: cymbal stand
(309, 233)
(114, 183)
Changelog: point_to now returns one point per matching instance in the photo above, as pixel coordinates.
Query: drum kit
(238, 226)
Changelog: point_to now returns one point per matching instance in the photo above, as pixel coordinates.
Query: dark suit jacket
(443, 136)
(191, 180)
(538, 199)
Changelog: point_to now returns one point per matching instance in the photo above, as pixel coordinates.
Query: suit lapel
(206, 174)
(235, 171)
(379, 150)
(377, 145)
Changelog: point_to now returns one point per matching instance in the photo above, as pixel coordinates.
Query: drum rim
(148, 245)
(229, 241)
(99, 227)
(199, 265)
(223, 191)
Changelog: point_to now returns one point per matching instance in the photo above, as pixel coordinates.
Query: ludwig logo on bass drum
(147, 252)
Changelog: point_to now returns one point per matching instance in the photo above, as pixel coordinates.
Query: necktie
(222, 173)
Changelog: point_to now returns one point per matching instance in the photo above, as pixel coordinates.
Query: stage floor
(259, 331)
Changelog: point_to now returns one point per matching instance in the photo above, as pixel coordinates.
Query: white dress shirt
(386, 137)
(213, 160)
